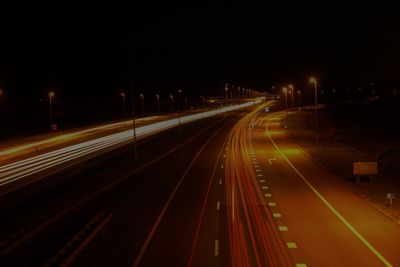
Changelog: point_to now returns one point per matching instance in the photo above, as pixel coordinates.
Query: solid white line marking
(218, 205)
(216, 248)
(283, 228)
(334, 211)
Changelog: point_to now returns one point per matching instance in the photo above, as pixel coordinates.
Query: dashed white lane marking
(260, 175)
(256, 166)
(264, 187)
(291, 245)
(272, 204)
(222, 166)
(301, 265)
(283, 228)
(220, 181)
(224, 155)
(255, 162)
(268, 195)
(216, 248)
(218, 205)
(262, 181)
(258, 170)
(277, 215)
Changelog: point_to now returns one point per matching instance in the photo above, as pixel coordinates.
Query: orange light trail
(253, 235)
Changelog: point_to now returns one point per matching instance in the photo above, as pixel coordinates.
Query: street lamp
(172, 102)
(299, 94)
(142, 100)
(292, 92)
(226, 92)
(123, 96)
(51, 95)
(179, 111)
(158, 104)
(314, 81)
(285, 91)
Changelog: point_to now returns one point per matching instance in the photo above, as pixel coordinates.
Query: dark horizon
(84, 55)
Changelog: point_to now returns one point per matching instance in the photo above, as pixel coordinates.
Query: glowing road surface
(14, 171)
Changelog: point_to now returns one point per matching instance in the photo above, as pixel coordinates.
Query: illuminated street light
(226, 92)
(142, 100)
(285, 91)
(299, 94)
(291, 87)
(123, 96)
(51, 95)
(158, 104)
(172, 102)
(314, 81)
(179, 111)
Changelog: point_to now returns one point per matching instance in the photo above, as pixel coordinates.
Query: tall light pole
(299, 94)
(291, 87)
(135, 154)
(314, 81)
(142, 100)
(158, 104)
(172, 103)
(51, 95)
(179, 110)
(226, 92)
(123, 96)
(285, 91)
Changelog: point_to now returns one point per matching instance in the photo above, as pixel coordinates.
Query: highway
(13, 174)
(231, 190)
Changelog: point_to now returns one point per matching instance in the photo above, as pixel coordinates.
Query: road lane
(40, 165)
(146, 191)
(330, 232)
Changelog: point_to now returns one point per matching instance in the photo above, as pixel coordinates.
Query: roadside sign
(390, 197)
(362, 168)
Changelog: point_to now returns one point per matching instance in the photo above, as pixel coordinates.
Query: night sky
(82, 52)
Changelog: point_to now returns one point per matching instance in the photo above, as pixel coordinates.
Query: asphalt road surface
(230, 190)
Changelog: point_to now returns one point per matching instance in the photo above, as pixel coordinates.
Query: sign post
(364, 168)
(390, 197)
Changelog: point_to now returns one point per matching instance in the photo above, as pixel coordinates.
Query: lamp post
(123, 96)
(51, 95)
(158, 104)
(172, 102)
(291, 87)
(142, 100)
(299, 94)
(314, 81)
(179, 111)
(285, 91)
(226, 92)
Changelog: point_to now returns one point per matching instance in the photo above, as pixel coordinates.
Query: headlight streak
(26, 167)
(254, 239)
